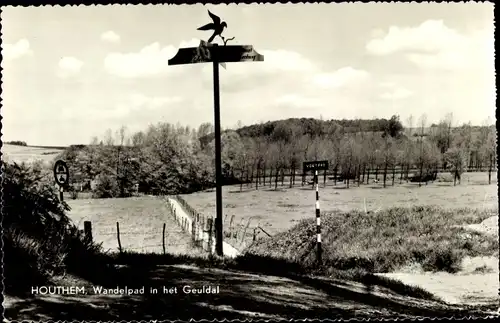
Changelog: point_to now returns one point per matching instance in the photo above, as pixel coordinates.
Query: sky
(71, 73)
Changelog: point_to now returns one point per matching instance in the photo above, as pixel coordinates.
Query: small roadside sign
(315, 165)
(61, 173)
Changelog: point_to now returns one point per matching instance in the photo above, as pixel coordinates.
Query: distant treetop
(17, 143)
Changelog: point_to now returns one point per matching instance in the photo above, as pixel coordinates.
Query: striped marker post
(318, 220)
(316, 166)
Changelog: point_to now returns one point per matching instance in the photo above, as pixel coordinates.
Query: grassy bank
(387, 240)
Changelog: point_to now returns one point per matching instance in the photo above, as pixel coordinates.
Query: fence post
(118, 236)
(245, 231)
(163, 238)
(200, 229)
(87, 229)
(231, 226)
(193, 230)
(210, 236)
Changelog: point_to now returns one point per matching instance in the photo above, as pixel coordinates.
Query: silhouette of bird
(217, 26)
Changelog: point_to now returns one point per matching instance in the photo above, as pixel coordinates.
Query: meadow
(367, 227)
(140, 221)
(29, 154)
(439, 237)
(279, 210)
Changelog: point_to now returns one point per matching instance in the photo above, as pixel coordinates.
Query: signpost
(61, 175)
(207, 52)
(315, 166)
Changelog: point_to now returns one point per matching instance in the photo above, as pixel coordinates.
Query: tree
(457, 158)
(389, 157)
(393, 127)
(422, 123)
(304, 145)
(319, 151)
(441, 135)
(350, 150)
(487, 146)
(231, 146)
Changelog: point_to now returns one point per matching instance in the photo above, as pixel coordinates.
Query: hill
(314, 127)
(29, 154)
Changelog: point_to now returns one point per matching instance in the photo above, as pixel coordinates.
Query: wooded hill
(315, 127)
(170, 159)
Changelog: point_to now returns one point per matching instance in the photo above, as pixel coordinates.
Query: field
(454, 218)
(277, 211)
(27, 154)
(140, 220)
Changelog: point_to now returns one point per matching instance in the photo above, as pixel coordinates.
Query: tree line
(16, 143)
(176, 159)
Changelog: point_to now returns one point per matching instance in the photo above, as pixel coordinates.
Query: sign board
(225, 54)
(61, 173)
(315, 165)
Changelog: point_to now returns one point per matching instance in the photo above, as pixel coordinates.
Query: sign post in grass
(61, 175)
(207, 52)
(316, 166)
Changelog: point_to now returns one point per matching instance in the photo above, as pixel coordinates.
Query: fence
(289, 178)
(236, 235)
(201, 229)
(161, 245)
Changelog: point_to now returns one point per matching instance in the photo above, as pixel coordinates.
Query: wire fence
(199, 228)
(239, 235)
(162, 245)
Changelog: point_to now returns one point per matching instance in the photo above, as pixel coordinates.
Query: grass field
(141, 222)
(448, 246)
(27, 154)
(277, 211)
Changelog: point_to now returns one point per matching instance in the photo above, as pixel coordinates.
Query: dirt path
(241, 295)
(227, 249)
(476, 284)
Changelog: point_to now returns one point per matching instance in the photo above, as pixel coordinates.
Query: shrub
(106, 187)
(444, 178)
(39, 239)
(443, 258)
(385, 241)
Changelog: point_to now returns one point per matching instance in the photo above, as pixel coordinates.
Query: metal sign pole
(210, 52)
(218, 158)
(61, 176)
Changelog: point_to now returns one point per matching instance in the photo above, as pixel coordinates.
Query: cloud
(397, 93)
(298, 101)
(69, 66)
(149, 61)
(434, 45)
(340, 77)
(132, 104)
(16, 50)
(138, 100)
(110, 36)
(152, 60)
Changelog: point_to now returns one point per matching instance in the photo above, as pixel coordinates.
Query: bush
(444, 178)
(443, 258)
(39, 239)
(106, 187)
(385, 241)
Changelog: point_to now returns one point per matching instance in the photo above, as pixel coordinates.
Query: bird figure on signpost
(217, 26)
